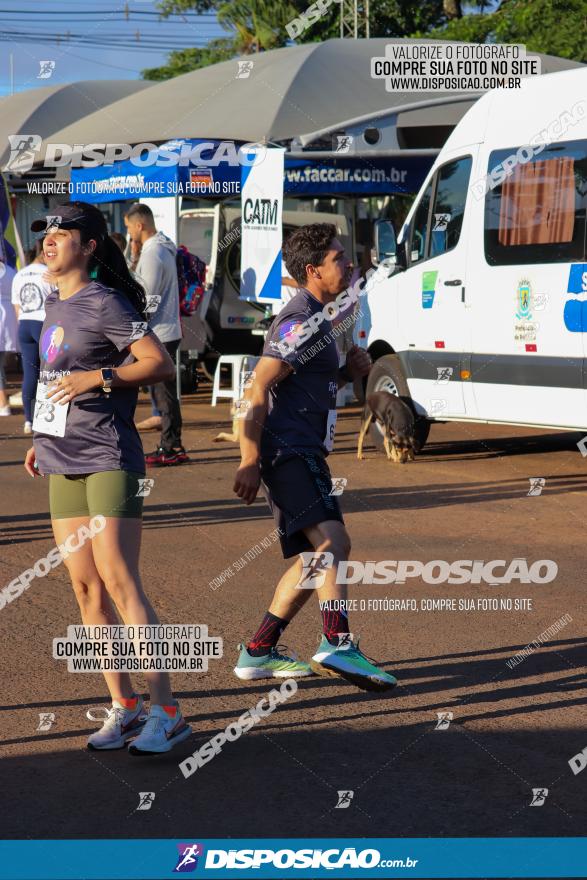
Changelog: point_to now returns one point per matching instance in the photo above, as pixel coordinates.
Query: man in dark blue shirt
(287, 432)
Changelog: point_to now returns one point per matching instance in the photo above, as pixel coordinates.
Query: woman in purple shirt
(95, 350)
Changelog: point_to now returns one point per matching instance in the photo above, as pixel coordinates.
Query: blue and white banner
(211, 170)
(355, 175)
(261, 232)
(194, 167)
(272, 858)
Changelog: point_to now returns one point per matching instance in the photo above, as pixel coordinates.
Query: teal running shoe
(347, 661)
(271, 665)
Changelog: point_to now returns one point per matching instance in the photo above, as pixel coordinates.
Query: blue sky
(30, 29)
(103, 39)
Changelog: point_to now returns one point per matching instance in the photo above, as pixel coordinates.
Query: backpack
(191, 277)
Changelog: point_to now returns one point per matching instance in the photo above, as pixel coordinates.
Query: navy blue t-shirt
(302, 407)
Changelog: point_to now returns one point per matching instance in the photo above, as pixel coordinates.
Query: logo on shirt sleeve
(289, 333)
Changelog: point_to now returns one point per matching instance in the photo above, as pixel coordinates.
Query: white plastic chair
(240, 364)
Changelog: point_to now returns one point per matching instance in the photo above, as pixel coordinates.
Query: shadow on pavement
(407, 781)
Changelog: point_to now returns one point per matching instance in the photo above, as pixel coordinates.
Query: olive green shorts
(108, 493)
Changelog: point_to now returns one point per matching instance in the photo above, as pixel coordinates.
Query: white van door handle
(455, 282)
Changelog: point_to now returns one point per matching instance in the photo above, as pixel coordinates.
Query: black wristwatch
(107, 379)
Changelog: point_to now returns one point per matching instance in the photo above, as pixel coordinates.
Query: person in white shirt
(157, 272)
(29, 291)
(8, 330)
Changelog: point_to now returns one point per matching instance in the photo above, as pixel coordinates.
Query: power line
(152, 25)
(102, 63)
(115, 40)
(105, 35)
(146, 50)
(102, 46)
(107, 44)
(101, 14)
(65, 34)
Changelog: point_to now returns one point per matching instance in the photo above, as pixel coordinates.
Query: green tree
(259, 24)
(256, 25)
(554, 27)
(186, 60)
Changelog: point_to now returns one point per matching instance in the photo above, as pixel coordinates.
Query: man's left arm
(358, 363)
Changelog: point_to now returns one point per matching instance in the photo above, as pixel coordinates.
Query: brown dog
(238, 411)
(233, 437)
(397, 420)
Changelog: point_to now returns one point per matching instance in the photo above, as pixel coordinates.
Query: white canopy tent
(45, 110)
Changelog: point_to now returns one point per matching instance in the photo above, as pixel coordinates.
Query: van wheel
(387, 375)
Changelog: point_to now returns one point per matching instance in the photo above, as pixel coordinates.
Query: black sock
(334, 622)
(267, 635)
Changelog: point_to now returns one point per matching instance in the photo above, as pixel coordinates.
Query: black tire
(387, 375)
(189, 377)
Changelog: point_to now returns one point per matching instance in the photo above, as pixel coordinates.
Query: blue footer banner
(451, 857)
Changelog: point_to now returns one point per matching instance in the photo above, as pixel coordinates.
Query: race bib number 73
(50, 417)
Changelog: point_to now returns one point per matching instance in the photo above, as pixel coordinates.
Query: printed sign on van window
(428, 288)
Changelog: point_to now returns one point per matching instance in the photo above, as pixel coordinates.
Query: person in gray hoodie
(157, 272)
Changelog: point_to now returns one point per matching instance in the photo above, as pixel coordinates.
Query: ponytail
(108, 266)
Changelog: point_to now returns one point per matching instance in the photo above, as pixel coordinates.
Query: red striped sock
(267, 635)
(334, 622)
(129, 702)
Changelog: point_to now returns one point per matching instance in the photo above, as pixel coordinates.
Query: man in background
(157, 271)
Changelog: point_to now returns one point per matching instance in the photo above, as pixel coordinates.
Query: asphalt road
(514, 728)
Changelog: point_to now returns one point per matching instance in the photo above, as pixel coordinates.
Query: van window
(233, 256)
(537, 214)
(196, 232)
(449, 205)
(439, 233)
(420, 227)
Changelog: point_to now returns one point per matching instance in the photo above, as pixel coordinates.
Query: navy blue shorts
(297, 488)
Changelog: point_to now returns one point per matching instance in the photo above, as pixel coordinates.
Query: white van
(479, 311)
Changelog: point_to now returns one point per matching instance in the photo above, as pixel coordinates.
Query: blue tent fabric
(216, 175)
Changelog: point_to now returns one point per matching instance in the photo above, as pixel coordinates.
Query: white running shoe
(121, 724)
(28, 428)
(5, 411)
(15, 399)
(161, 733)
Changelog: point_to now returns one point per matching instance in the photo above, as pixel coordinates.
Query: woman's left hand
(68, 387)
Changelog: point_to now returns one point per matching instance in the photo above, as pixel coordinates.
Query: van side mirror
(385, 250)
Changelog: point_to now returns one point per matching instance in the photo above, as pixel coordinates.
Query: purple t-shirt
(92, 329)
